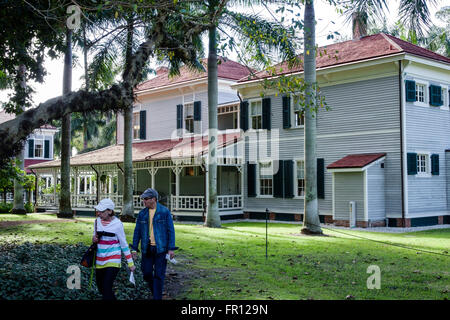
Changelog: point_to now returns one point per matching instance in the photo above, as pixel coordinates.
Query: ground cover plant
(230, 262)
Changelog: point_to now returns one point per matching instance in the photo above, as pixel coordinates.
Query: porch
(181, 184)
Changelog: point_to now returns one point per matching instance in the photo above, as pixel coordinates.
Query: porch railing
(196, 203)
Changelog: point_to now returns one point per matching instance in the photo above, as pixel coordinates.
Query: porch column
(153, 172)
(241, 173)
(177, 171)
(75, 187)
(54, 186)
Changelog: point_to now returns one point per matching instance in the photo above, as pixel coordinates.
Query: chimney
(359, 25)
(161, 70)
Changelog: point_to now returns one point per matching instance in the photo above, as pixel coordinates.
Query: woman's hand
(94, 239)
(132, 268)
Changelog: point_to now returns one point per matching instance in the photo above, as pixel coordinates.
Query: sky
(328, 20)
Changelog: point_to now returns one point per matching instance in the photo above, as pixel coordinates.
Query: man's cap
(104, 205)
(150, 193)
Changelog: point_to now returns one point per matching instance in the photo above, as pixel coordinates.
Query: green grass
(230, 262)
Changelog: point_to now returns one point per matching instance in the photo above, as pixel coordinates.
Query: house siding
(427, 130)
(368, 122)
(376, 196)
(349, 186)
(161, 114)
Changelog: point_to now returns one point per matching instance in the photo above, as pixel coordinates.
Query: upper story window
(420, 92)
(136, 125)
(422, 163)
(299, 116)
(256, 114)
(38, 148)
(189, 117)
(265, 179)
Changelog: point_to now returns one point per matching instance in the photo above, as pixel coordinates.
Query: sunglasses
(146, 198)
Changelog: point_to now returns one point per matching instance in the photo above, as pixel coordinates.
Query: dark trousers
(105, 278)
(154, 269)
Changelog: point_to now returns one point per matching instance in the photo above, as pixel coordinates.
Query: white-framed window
(189, 117)
(423, 164)
(38, 148)
(256, 114)
(420, 92)
(300, 178)
(444, 97)
(297, 114)
(422, 95)
(136, 125)
(265, 178)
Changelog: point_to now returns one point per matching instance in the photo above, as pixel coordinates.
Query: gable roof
(369, 47)
(143, 151)
(227, 69)
(356, 160)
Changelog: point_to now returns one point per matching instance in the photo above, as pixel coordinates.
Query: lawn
(230, 262)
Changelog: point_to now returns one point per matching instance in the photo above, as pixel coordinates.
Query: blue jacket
(163, 230)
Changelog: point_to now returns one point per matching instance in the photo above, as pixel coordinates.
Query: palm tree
(65, 207)
(270, 35)
(311, 222)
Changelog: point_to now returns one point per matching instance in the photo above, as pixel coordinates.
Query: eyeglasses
(146, 198)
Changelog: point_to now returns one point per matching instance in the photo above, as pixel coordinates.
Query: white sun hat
(104, 205)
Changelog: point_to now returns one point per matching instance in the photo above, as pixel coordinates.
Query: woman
(111, 242)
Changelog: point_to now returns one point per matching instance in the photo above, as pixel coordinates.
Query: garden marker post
(267, 212)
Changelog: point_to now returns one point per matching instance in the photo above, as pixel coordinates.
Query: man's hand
(132, 268)
(134, 255)
(94, 239)
(171, 254)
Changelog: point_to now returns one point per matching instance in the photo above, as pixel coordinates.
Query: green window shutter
(244, 115)
(197, 111)
(288, 179)
(142, 124)
(286, 112)
(410, 90)
(320, 178)
(412, 163)
(266, 114)
(435, 95)
(278, 185)
(251, 179)
(47, 149)
(30, 148)
(435, 164)
(179, 116)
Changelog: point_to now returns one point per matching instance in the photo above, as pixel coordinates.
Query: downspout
(400, 83)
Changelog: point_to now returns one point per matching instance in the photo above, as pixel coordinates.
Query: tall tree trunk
(127, 213)
(311, 222)
(65, 207)
(18, 207)
(212, 215)
(86, 79)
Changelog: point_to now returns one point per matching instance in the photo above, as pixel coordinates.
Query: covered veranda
(177, 168)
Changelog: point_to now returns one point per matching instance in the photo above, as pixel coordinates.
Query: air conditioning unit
(352, 214)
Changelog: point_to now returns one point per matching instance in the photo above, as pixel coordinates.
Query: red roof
(369, 47)
(30, 162)
(227, 69)
(150, 150)
(356, 160)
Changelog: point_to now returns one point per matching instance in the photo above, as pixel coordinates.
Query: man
(155, 230)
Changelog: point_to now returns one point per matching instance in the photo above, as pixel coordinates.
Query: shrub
(29, 207)
(5, 207)
(39, 272)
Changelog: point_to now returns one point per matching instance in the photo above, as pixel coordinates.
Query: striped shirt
(109, 249)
